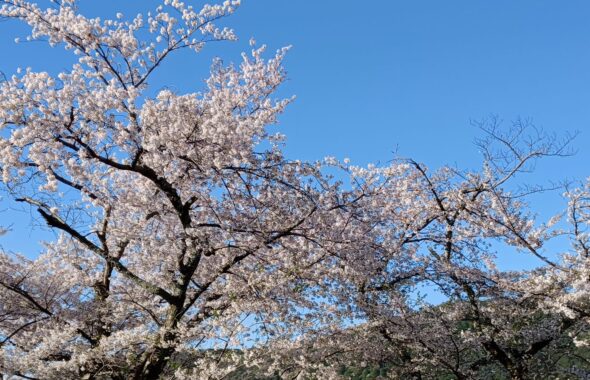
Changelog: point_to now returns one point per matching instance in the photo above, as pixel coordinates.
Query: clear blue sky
(372, 77)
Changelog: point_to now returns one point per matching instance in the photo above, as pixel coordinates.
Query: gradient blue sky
(373, 77)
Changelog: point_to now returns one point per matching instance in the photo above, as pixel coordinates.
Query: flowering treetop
(183, 232)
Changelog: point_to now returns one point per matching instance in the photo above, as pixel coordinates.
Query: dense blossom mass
(189, 247)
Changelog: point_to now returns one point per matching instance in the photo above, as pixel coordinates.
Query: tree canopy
(188, 246)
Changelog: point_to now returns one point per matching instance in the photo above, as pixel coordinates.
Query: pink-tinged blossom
(184, 233)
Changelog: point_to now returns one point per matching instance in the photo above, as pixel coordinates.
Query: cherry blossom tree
(412, 229)
(180, 224)
(188, 246)
(441, 231)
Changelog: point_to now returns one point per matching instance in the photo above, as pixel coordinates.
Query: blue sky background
(373, 77)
